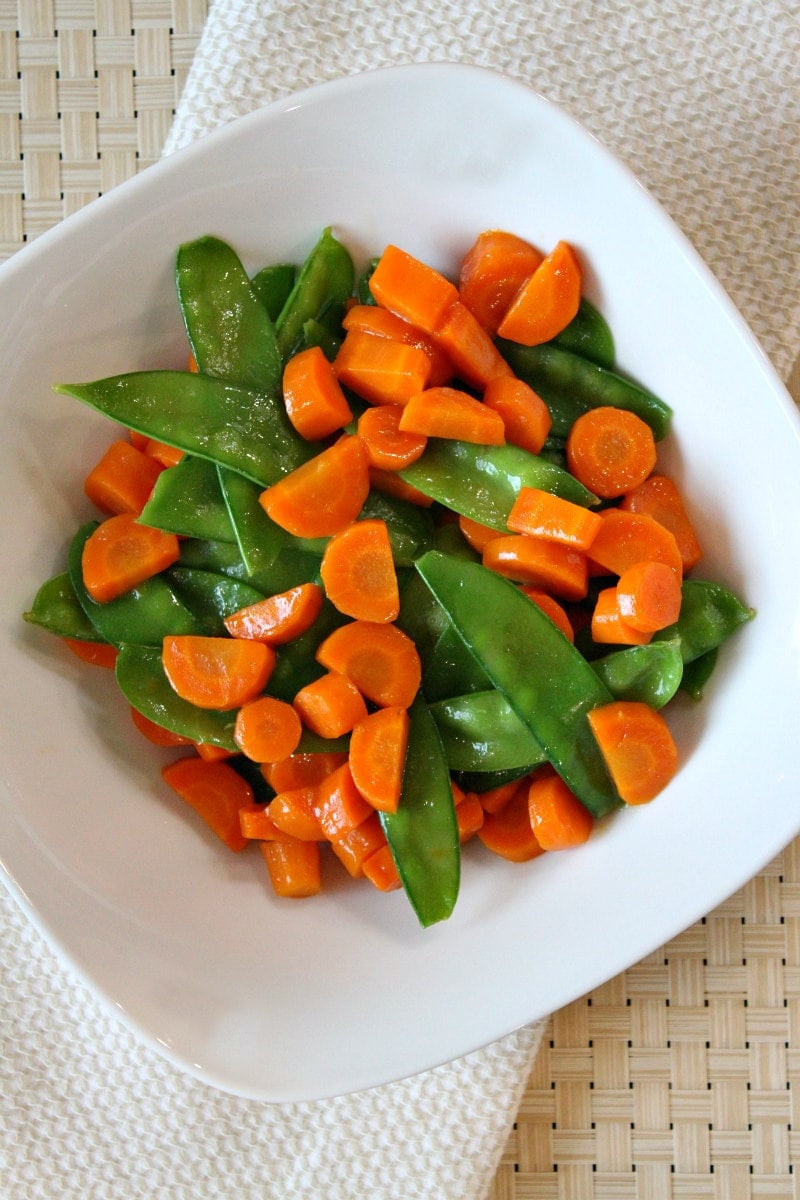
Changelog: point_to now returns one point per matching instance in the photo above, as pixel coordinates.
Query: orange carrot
(391, 483)
(371, 318)
(97, 654)
(411, 289)
(525, 415)
(216, 793)
(547, 301)
(139, 440)
(330, 706)
(121, 553)
(256, 824)
(294, 868)
(167, 456)
(122, 480)
(279, 618)
(637, 747)
(358, 572)
(649, 596)
(492, 272)
(379, 868)
(625, 538)
(211, 753)
(541, 514)
(339, 804)
(380, 370)
(610, 450)
(301, 770)
(476, 535)
(469, 817)
(378, 756)
(508, 832)
(354, 848)
(558, 818)
(294, 812)
(314, 401)
(497, 797)
(157, 734)
(447, 412)
(323, 495)
(609, 626)
(550, 606)
(216, 672)
(475, 358)
(381, 660)
(387, 447)
(660, 498)
(549, 566)
(267, 729)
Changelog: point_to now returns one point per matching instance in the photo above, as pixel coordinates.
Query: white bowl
(298, 1000)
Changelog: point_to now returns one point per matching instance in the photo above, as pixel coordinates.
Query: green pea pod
(325, 283)
(697, 673)
(290, 567)
(571, 384)
(482, 482)
(237, 427)
(57, 609)
(484, 781)
(423, 833)
(650, 673)
(448, 668)
(273, 286)
(315, 333)
(710, 613)
(144, 615)
(589, 335)
(229, 330)
(481, 732)
(259, 539)
(141, 679)
(450, 540)
(547, 682)
(187, 500)
(363, 293)
(210, 596)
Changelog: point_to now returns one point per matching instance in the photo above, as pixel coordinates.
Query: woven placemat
(681, 1076)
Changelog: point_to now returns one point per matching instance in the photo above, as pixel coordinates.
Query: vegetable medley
(392, 563)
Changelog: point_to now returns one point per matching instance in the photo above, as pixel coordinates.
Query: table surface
(679, 1077)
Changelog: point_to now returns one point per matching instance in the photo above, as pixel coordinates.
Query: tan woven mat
(681, 1076)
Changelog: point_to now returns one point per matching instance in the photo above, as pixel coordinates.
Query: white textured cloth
(702, 102)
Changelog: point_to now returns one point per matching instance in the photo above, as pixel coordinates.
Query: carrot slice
(378, 756)
(216, 672)
(211, 753)
(354, 848)
(541, 514)
(157, 734)
(97, 654)
(411, 289)
(280, 618)
(476, 535)
(649, 596)
(392, 484)
(256, 824)
(548, 566)
(625, 538)
(547, 301)
(508, 832)
(216, 793)
(496, 798)
(301, 770)
(358, 572)
(120, 553)
(466, 343)
(294, 868)
(610, 627)
(294, 812)
(339, 804)
(610, 450)
(267, 729)
(167, 456)
(447, 412)
(550, 606)
(314, 401)
(637, 746)
(330, 706)
(380, 370)
(387, 446)
(380, 659)
(659, 497)
(558, 818)
(525, 415)
(379, 868)
(323, 495)
(371, 318)
(122, 480)
(492, 272)
(469, 817)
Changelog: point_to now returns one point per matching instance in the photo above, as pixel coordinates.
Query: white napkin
(702, 102)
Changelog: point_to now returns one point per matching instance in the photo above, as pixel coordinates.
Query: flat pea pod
(315, 333)
(259, 539)
(273, 285)
(484, 781)
(423, 833)
(229, 330)
(237, 427)
(448, 668)
(210, 596)
(570, 385)
(697, 673)
(547, 682)
(187, 500)
(143, 683)
(481, 732)
(363, 293)
(57, 609)
(710, 614)
(589, 335)
(325, 282)
(145, 615)
(651, 673)
(290, 567)
(482, 482)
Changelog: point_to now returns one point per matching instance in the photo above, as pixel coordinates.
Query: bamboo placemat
(681, 1076)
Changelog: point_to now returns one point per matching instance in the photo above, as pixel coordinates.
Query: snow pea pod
(273, 285)
(547, 682)
(57, 609)
(187, 500)
(229, 330)
(259, 539)
(144, 615)
(235, 426)
(481, 732)
(482, 482)
(571, 384)
(423, 833)
(650, 673)
(290, 567)
(710, 614)
(324, 284)
(141, 679)
(589, 335)
(210, 596)
(697, 673)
